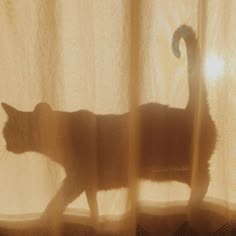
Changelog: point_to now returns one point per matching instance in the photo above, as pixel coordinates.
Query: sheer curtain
(111, 57)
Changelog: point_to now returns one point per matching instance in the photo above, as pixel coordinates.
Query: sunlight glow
(213, 67)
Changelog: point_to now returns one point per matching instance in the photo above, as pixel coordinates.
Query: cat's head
(22, 130)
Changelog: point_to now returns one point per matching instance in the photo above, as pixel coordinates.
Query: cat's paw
(50, 222)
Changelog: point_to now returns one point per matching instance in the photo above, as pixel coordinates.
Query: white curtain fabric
(107, 56)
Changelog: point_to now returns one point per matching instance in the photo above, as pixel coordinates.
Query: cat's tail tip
(183, 32)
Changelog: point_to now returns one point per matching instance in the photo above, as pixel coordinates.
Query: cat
(93, 148)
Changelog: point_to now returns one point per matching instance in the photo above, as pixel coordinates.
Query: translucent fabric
(113, 62)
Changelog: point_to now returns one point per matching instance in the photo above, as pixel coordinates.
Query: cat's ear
(42, 108)
(8, 109)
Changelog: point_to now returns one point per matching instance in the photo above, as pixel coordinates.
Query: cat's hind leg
(199, 187)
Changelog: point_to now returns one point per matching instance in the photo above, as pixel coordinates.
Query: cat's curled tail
(188, 35)
(202, 127)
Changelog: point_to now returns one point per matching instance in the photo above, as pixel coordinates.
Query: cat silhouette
(93, 148)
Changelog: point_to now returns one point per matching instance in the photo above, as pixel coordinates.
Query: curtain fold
(118, 113)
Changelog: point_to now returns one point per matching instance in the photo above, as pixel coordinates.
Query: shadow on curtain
(93, 148)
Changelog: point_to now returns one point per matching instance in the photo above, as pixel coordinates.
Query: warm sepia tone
(116, 114)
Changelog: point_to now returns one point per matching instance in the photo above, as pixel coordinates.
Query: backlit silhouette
(93, 148)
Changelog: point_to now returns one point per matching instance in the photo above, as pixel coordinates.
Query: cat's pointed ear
(8, 109)
(42, 107)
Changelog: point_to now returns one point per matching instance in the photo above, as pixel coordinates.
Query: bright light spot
(214, 67)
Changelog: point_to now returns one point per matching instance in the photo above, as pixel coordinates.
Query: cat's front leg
(69, 191)
(91, 194)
